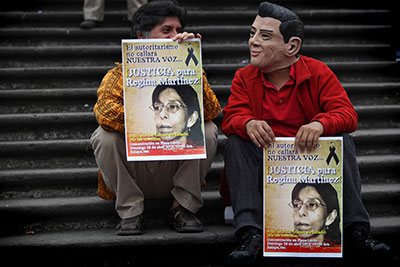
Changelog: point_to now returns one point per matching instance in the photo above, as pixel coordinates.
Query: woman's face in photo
(312, 218)
(171, 116)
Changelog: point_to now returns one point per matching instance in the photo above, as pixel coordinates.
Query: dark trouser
(243, 167)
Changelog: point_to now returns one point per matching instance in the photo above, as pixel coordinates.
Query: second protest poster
(303, 207)
(163, 99)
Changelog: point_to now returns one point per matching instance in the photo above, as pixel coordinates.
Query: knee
(236, 143)
(345, 136)
(105, 140)
(348, 144)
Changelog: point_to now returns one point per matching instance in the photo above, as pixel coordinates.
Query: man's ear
(294, 45)
(331, 217)
(192, 119)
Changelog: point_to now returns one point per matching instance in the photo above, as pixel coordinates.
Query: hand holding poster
(303, 199)
(163, 99)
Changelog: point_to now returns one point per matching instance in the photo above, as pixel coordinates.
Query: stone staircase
(50, 70)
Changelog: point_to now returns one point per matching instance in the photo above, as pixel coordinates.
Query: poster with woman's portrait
(303, 199)
(163, 99)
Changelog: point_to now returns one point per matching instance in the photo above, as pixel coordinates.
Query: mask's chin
(274, 67)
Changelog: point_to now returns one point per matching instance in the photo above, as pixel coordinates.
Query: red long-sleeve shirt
(320, 96)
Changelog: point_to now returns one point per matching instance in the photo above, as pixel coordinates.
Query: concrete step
(381, 196)
(192, 5)
(17, 101)
(377, 141)
(89, 238)
(316, 34)
(78, 55)
(88, 212)
(47, 183)
(70, 181)
(50, 5)
(195, 17)
(159, 246)
(90, 243)
(39, 179)
(357, 71)
(72, 125)
(309, 16)
(373, 93)
(292, 4)
(47, 126)
(26, 101)
(239, 53)
(385, 139)
(103, 248)
(378, 168)
(48, 175)
(218, 74)
(360, 93)
(369, 115)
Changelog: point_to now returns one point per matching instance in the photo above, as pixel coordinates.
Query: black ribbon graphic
(332, 154)
(191, 56)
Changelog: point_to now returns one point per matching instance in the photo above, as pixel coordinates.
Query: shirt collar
(291, 81)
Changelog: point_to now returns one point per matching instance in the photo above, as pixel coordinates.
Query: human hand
(180, 37)
(260, 132)
(308, 135)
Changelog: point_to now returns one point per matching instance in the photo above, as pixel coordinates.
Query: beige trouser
(132, 181)
(94, 9)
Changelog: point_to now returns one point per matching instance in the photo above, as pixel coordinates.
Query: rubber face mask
(268, 50)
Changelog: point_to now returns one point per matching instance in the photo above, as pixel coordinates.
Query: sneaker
(184, 221)
(131, 226)
(88, 24)
(249, 248)
(362, 244)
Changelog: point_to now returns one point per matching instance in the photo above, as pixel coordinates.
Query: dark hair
(291, 24)
(329, 196)
(190, 99)
(154, 13)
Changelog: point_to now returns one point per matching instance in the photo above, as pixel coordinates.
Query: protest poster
(303, 199)
(163, 99)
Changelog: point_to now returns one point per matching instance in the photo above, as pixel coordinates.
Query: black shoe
(89, 24)
(249, 248)
(359, 242)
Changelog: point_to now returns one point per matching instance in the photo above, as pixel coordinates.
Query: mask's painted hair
(291, 24)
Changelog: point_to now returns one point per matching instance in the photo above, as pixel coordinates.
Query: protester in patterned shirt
(131, 182)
